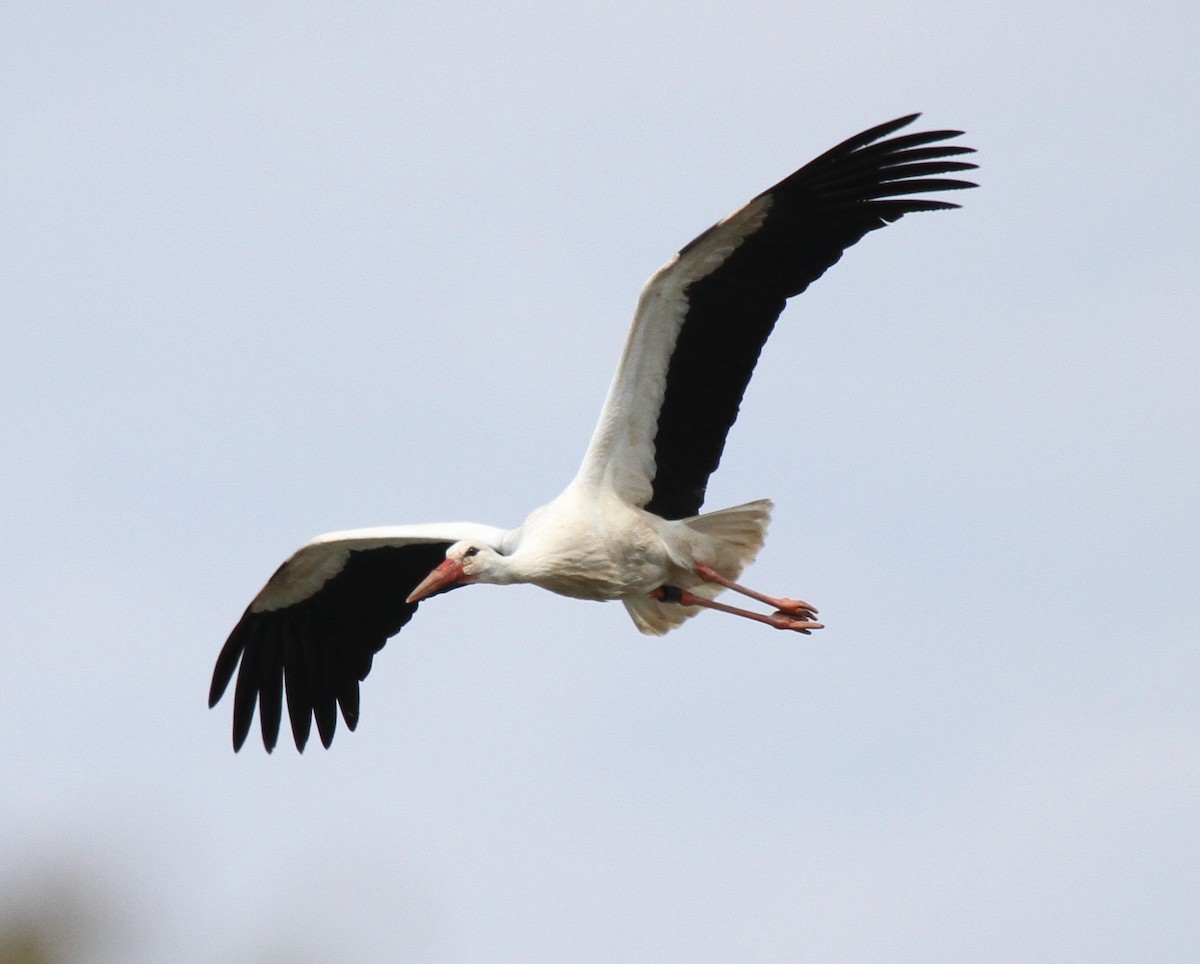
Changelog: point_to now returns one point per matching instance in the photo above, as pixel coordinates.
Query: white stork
(628, 526)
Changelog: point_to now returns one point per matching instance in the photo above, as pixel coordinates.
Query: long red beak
(444, 578)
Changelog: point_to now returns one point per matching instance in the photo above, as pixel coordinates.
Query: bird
(629, 525)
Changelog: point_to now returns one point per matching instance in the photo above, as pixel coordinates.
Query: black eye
(473, 551)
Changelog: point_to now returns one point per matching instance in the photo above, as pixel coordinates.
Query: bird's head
(466, 562)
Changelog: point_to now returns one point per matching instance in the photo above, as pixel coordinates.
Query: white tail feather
(728, 540)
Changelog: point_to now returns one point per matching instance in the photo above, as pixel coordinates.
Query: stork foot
(796, 607)
(798, 623)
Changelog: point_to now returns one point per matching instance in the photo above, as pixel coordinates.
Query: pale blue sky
(274, 269)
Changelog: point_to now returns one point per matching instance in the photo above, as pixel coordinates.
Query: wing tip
(301, 730)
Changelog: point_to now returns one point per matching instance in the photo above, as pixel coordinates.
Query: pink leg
(780, 620)
(787, 607)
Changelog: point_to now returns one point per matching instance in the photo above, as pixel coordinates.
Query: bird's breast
(605, 556)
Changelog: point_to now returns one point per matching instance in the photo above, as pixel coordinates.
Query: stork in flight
(628, 526)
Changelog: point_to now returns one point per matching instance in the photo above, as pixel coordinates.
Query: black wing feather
(299, 696)
(319, 649)
(815, 214)
(270, 694)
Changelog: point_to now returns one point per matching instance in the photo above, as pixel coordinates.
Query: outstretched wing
(319, 621)
(704, 317)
